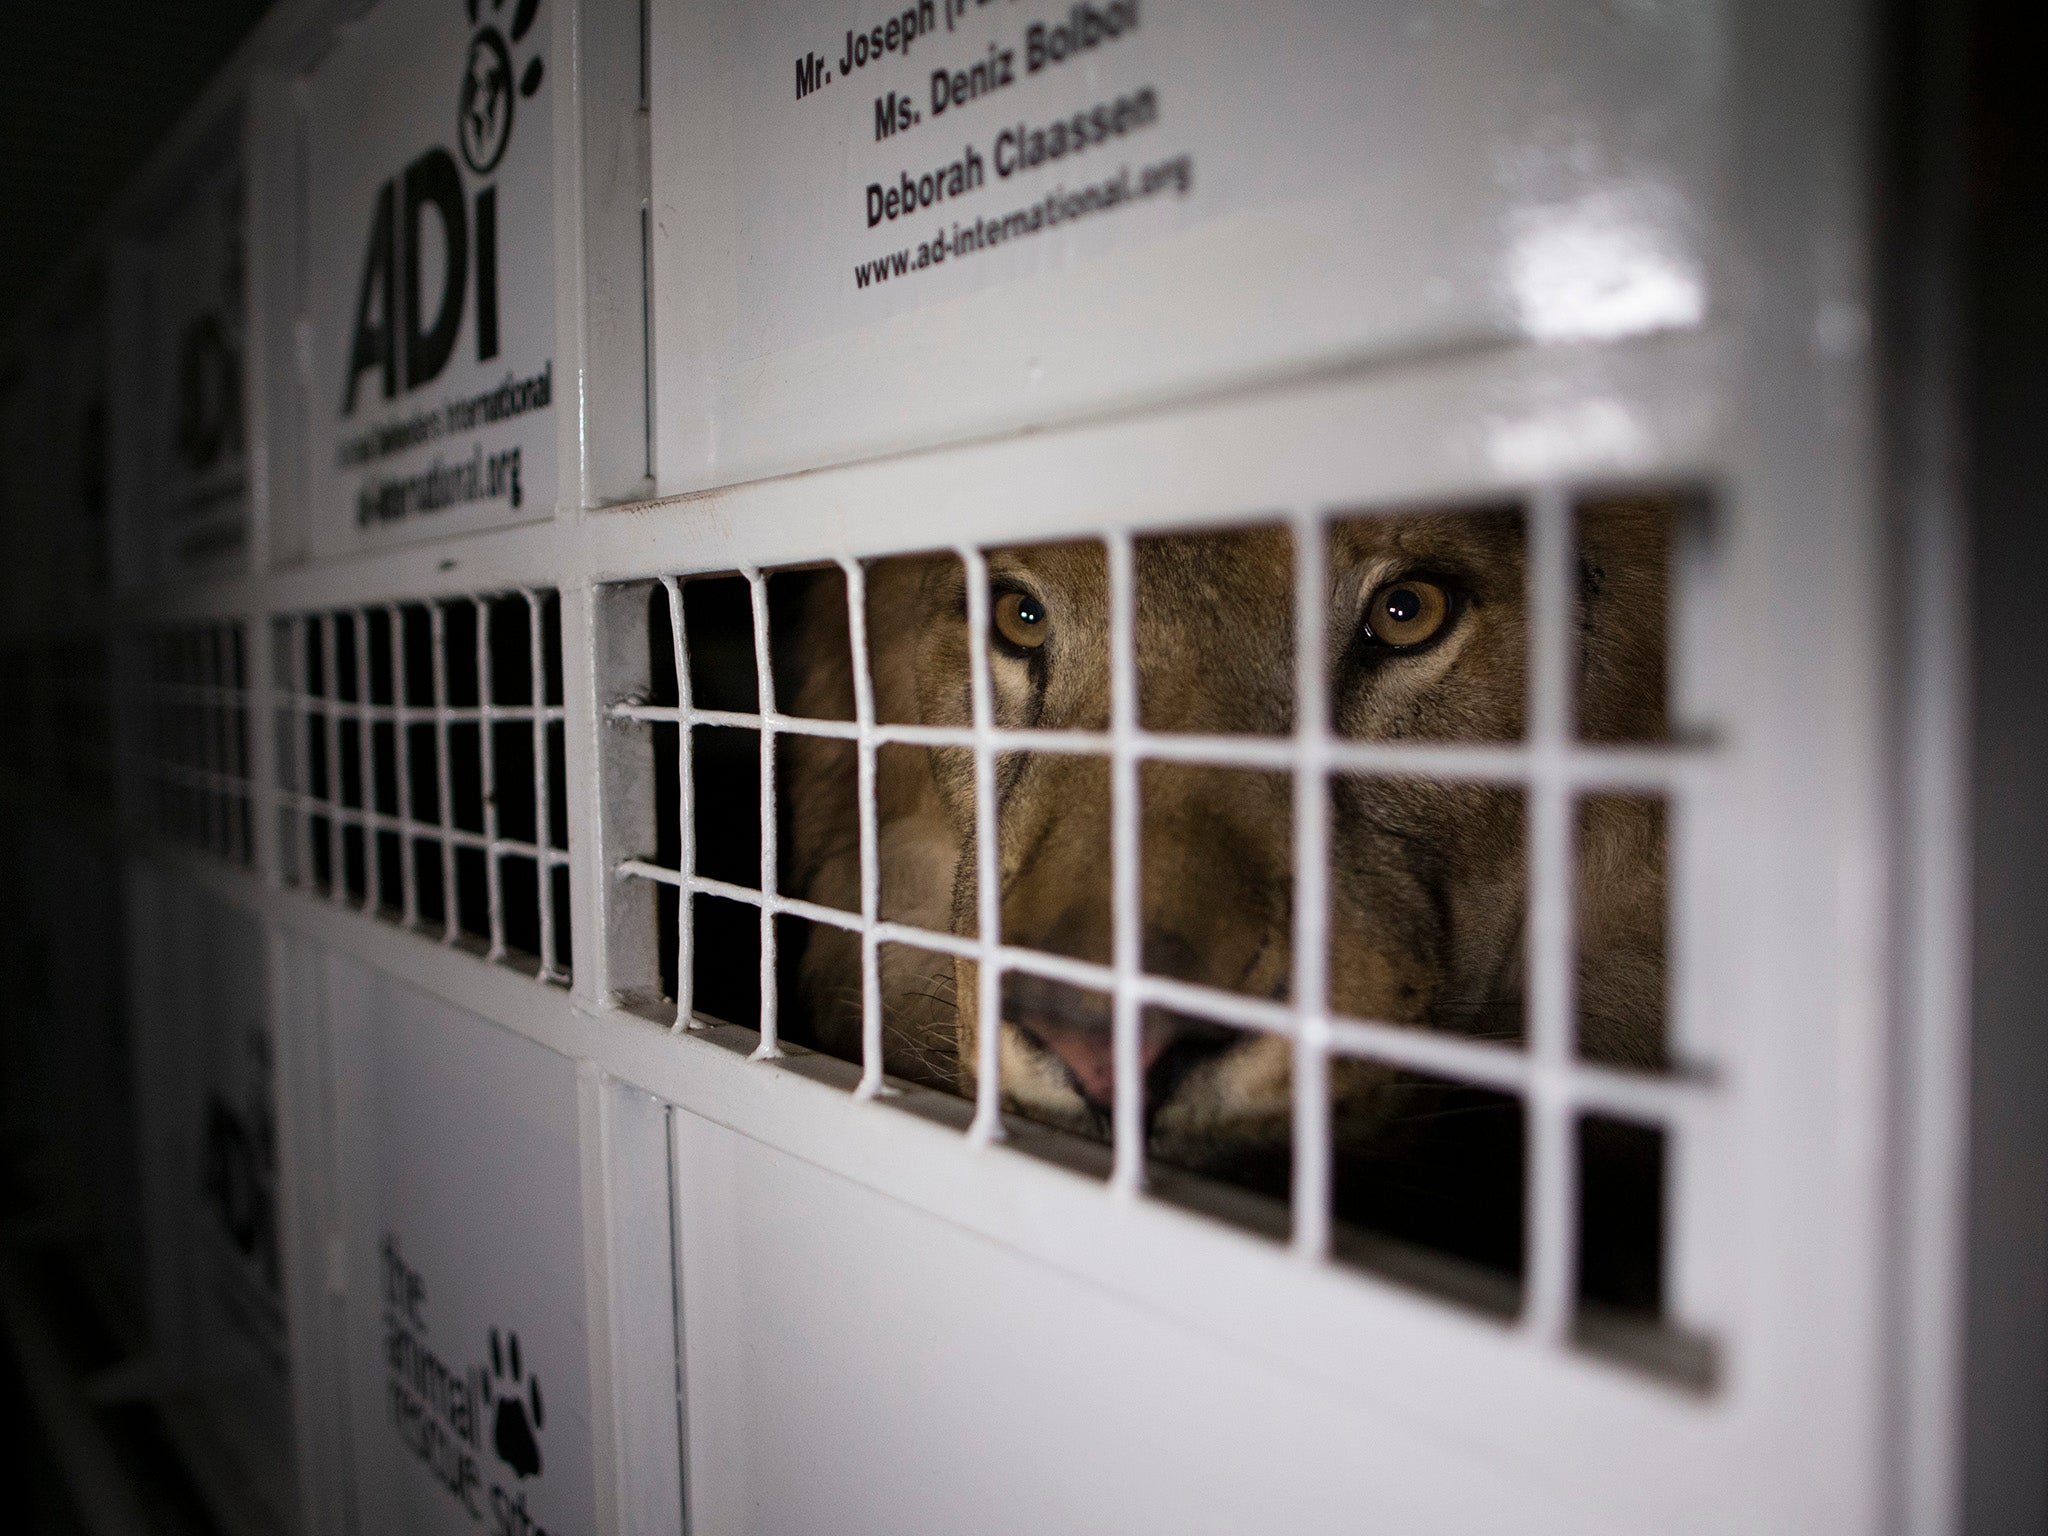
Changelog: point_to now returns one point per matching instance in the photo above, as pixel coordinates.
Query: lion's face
(1426, 641)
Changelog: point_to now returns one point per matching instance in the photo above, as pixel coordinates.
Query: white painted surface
(74, 505)
(208, 1084)
(462, 1231)
(638, 1242)
(475, 441)
(858, 1365)
(1346, 182)
(182, 464)
(240, 1343)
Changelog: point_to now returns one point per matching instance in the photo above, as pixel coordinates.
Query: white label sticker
(197, 473)
(226, 1183)
(433, 272)
(951, 144)
(470, 1342)
(237, 1134)
(899, 158)
(884, 224)
(77, 444)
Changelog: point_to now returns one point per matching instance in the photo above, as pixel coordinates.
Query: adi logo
(209, 394)
(208, 415)
(239, 1172)
(238, 1182)
(483, 118)
(408, 315)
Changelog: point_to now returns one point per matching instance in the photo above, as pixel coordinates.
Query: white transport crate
(76, 472)
(214, 1154)
(70, 1066)
(648, 411)
(71, 1074)
(181, 466)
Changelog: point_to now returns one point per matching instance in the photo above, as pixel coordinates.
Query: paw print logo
(483, 112)
(518, 1414)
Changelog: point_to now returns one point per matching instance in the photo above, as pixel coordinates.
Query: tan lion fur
(1428, 877)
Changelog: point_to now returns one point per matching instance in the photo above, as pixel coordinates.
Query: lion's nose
(1074, 1027)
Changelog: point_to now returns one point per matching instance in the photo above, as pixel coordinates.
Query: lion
(1427, 641)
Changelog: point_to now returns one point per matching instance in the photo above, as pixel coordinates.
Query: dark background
(1994, 96)
(87, 88)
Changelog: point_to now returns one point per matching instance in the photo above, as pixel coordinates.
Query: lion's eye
(1020, 619)
(1405, 613)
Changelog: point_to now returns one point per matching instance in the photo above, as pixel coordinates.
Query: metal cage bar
(401, 752)
(1551, 921)
(487, 758)
(1309, 981)
(367, 760)
(296, 801)
(1550, 767)
(1127, 1130)
(764, 682)
(1618, 767)
(330, 677)
(686, 803)
(988, 1089)
(302, 725)
(543, 791)
(451, 919)
(871, 1044)
(193, 757)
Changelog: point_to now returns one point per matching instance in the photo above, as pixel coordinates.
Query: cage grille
(1562, 1103)
(196, 782)
(421, 772)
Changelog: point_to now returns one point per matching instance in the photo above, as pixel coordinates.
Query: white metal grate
(421, 775)
(195, 770)
(1562, 1102)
